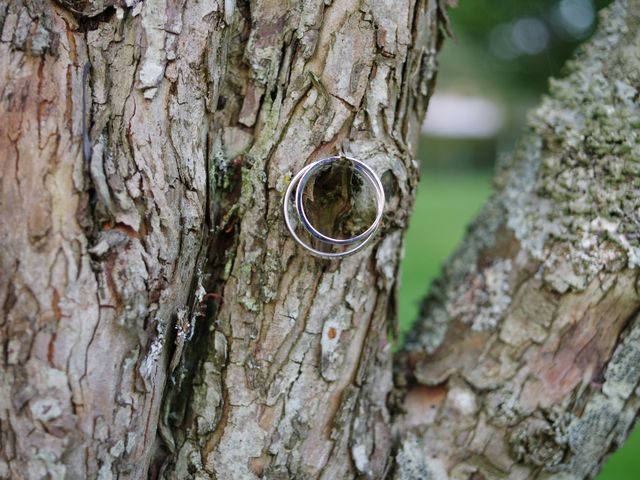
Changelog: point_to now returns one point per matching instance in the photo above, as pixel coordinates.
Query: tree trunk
(158, 320)
(525, 362)
(157, 317)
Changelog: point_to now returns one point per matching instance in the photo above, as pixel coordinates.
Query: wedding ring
(299, 183)
(368, 173)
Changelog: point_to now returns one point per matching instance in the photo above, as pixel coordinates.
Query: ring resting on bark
(300, 181)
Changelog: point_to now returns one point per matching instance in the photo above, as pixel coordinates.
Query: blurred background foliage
(493, 71)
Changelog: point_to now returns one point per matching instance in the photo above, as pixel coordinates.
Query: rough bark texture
(157, 320)
(98, 255)
(525, 362)
(156, 317)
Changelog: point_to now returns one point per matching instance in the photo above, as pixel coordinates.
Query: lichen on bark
(303, 335)
(173, 325)
(157, 320)
(538, 392)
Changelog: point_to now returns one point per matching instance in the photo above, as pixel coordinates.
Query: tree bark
(157, 319)
(525, 362)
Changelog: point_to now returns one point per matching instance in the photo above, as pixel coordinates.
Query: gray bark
(157, 319)
(525, 362)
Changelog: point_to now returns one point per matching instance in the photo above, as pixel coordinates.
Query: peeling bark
(158, 321)
(525, 362)
(156, 317)
(286, 350)
(99, 254)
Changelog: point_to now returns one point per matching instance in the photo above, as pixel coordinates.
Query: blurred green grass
(446, 202)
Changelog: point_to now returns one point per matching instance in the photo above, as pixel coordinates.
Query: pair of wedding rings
(297, 189)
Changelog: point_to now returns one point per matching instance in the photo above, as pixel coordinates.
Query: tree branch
(525, 360)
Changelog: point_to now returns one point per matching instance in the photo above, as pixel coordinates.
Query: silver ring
(300, 180)
(369, 175)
